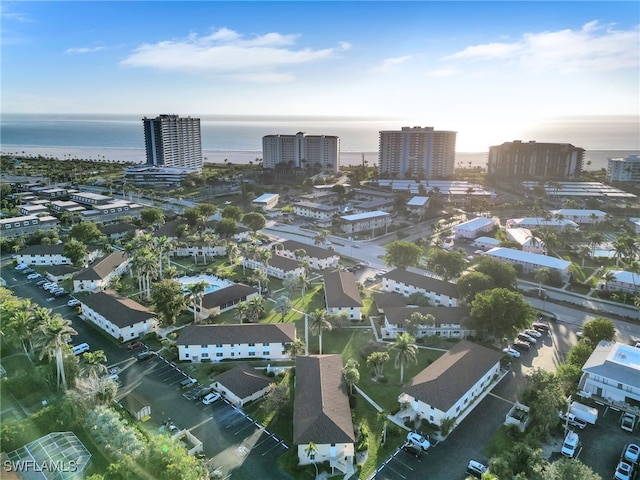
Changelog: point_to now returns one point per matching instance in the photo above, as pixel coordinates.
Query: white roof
(418, 201)
(542, 222)
(523, 236)
(266, 197)
(487, 240)
(475, 224)
(578, 212)
(527, 257)
(635, 220)
(615, 361)
(626, 277)
(364, 216)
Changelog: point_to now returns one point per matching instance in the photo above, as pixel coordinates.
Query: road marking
(201, 423)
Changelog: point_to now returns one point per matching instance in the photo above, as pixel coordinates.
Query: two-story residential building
(121, 317)
(405, 283)
(622, 281)
(475, 227)
(12, 227)
(377, 205)
(580, 216)
(278, 266)
(39, 255)
(635, 224)
(96, 277)
(612, 375)
(486, 243)
(267, 201)
(232, 342)
(321, 413)
(418, 205)
(341, 295)
(322, 214)
(447, 322)
(533, 223)
(120, 231)
(527, 241)
(242, 384)
(111, 212)
(31, 209)
(453, 385)
(60, 206)
(367, 222)
(319, 258)
(530, 262)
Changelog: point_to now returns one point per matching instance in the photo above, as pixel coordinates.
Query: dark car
(522, 346)
(412, 449)
(146, 355)
(134, 345)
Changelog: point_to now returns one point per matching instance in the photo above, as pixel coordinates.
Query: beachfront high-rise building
(173, 141)
(301, 150)
(531, 160)
(421, 152)
(624, 169)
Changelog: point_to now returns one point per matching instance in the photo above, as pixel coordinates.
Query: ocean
(239, 138)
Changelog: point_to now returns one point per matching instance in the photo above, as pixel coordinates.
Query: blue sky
(470, 66)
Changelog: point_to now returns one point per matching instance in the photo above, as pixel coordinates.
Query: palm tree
(312, 451)
(255, 308)
(383, 416)
(241, 311)
(283, 305)
(407, 352)
(50, 338)
(295, 348)
(163, 244)
(542, 276)
(583, 252)
(95, 362)
(609, 276)
(21, 326)
(304, 283)
(321, 237)
(197, 292)
(595, 239)
(264, 255)
(319, 322)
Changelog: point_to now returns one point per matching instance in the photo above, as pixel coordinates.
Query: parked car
(631, 453)
(533, 333)
(134, 345)
(146, 355)
(628, 422)
(412, 449)
(60, 293)
(572, 420)
(541, 327)
(527, 338)
(476, 469)
(42, 282)
(81, 348)
(21, 266)
(33, 276)
(419, 440)
(74, 302)
(210, 398)
(570, 444)
(512, 351)
(187, 382)
(114, 370)
(624, 471)
(27, 271)
(521, 345)
(50, 286)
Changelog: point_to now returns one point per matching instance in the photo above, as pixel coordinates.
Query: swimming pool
(213, 283)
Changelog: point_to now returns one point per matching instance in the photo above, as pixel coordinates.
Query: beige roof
(103, 267)
(341, 290)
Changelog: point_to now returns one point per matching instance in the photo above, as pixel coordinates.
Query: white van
(570, 444)
(81, 348)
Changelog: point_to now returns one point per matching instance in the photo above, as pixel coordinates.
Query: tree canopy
(501, 312)
(503, 274)
(446, 264)
(226, 227)
(151, 216)
(402, 254)
(599, 329)
(233, 212)
(254, 221)
(85, 232)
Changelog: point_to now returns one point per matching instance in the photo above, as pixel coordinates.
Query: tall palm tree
(407, 352)
(595, 239)
(304, 283)
(95, 362)
(50, 338)
(319, 322)
(197, 292)
(21, 326)
(609, 276)
(383, 416)
(312, 450)
(163, 244)
(295, 348)
(255, 308)
(264, 255)
(241, 311)
(583, 252)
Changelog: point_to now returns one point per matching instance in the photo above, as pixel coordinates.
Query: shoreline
(594, 159)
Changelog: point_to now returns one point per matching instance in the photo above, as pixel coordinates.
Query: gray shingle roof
(312, 250)
(237, 334)
(321, 412)
(388, 300)
(447, 379)
(615, 361)
(102, 267)
(120, 311)
(429, 284)
(341, 290)
(238, 291)
(243, 380)
(455, 315)
(283, 263)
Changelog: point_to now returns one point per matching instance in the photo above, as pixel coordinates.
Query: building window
(205, 355)
(252, 354)
(219, 354)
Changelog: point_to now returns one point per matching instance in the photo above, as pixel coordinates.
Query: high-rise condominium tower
(302, 150)
(172, 141)
(417, 151)
(544, 161)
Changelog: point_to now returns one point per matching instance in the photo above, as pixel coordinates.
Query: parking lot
(236, 446)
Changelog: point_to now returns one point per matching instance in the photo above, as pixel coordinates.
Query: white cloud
(84, 49)
(390, 64)
(227, 52)
(443, 72)
(592, 48)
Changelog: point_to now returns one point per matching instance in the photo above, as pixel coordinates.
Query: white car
(50, 286)
(74, 302)
(476, 469)
(533, 333)
(624, 471)
(21, 266)
(527, 338)
(631, 453)
(416, 439)
(511, 351)
(33, 276)
(210, 398)
(628, 422)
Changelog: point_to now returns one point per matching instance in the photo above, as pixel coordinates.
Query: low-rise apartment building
(475, 227)
(366, 222)
(342, 295)
(319, 258)
(437, 291)
(96, 277)
(12, 227)
(527, 241)
(267, 201)
(530, 262)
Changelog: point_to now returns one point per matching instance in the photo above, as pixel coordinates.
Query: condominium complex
(172, 141)
(301, 150)
(624, 169)
(417, 151)
(544, 161)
